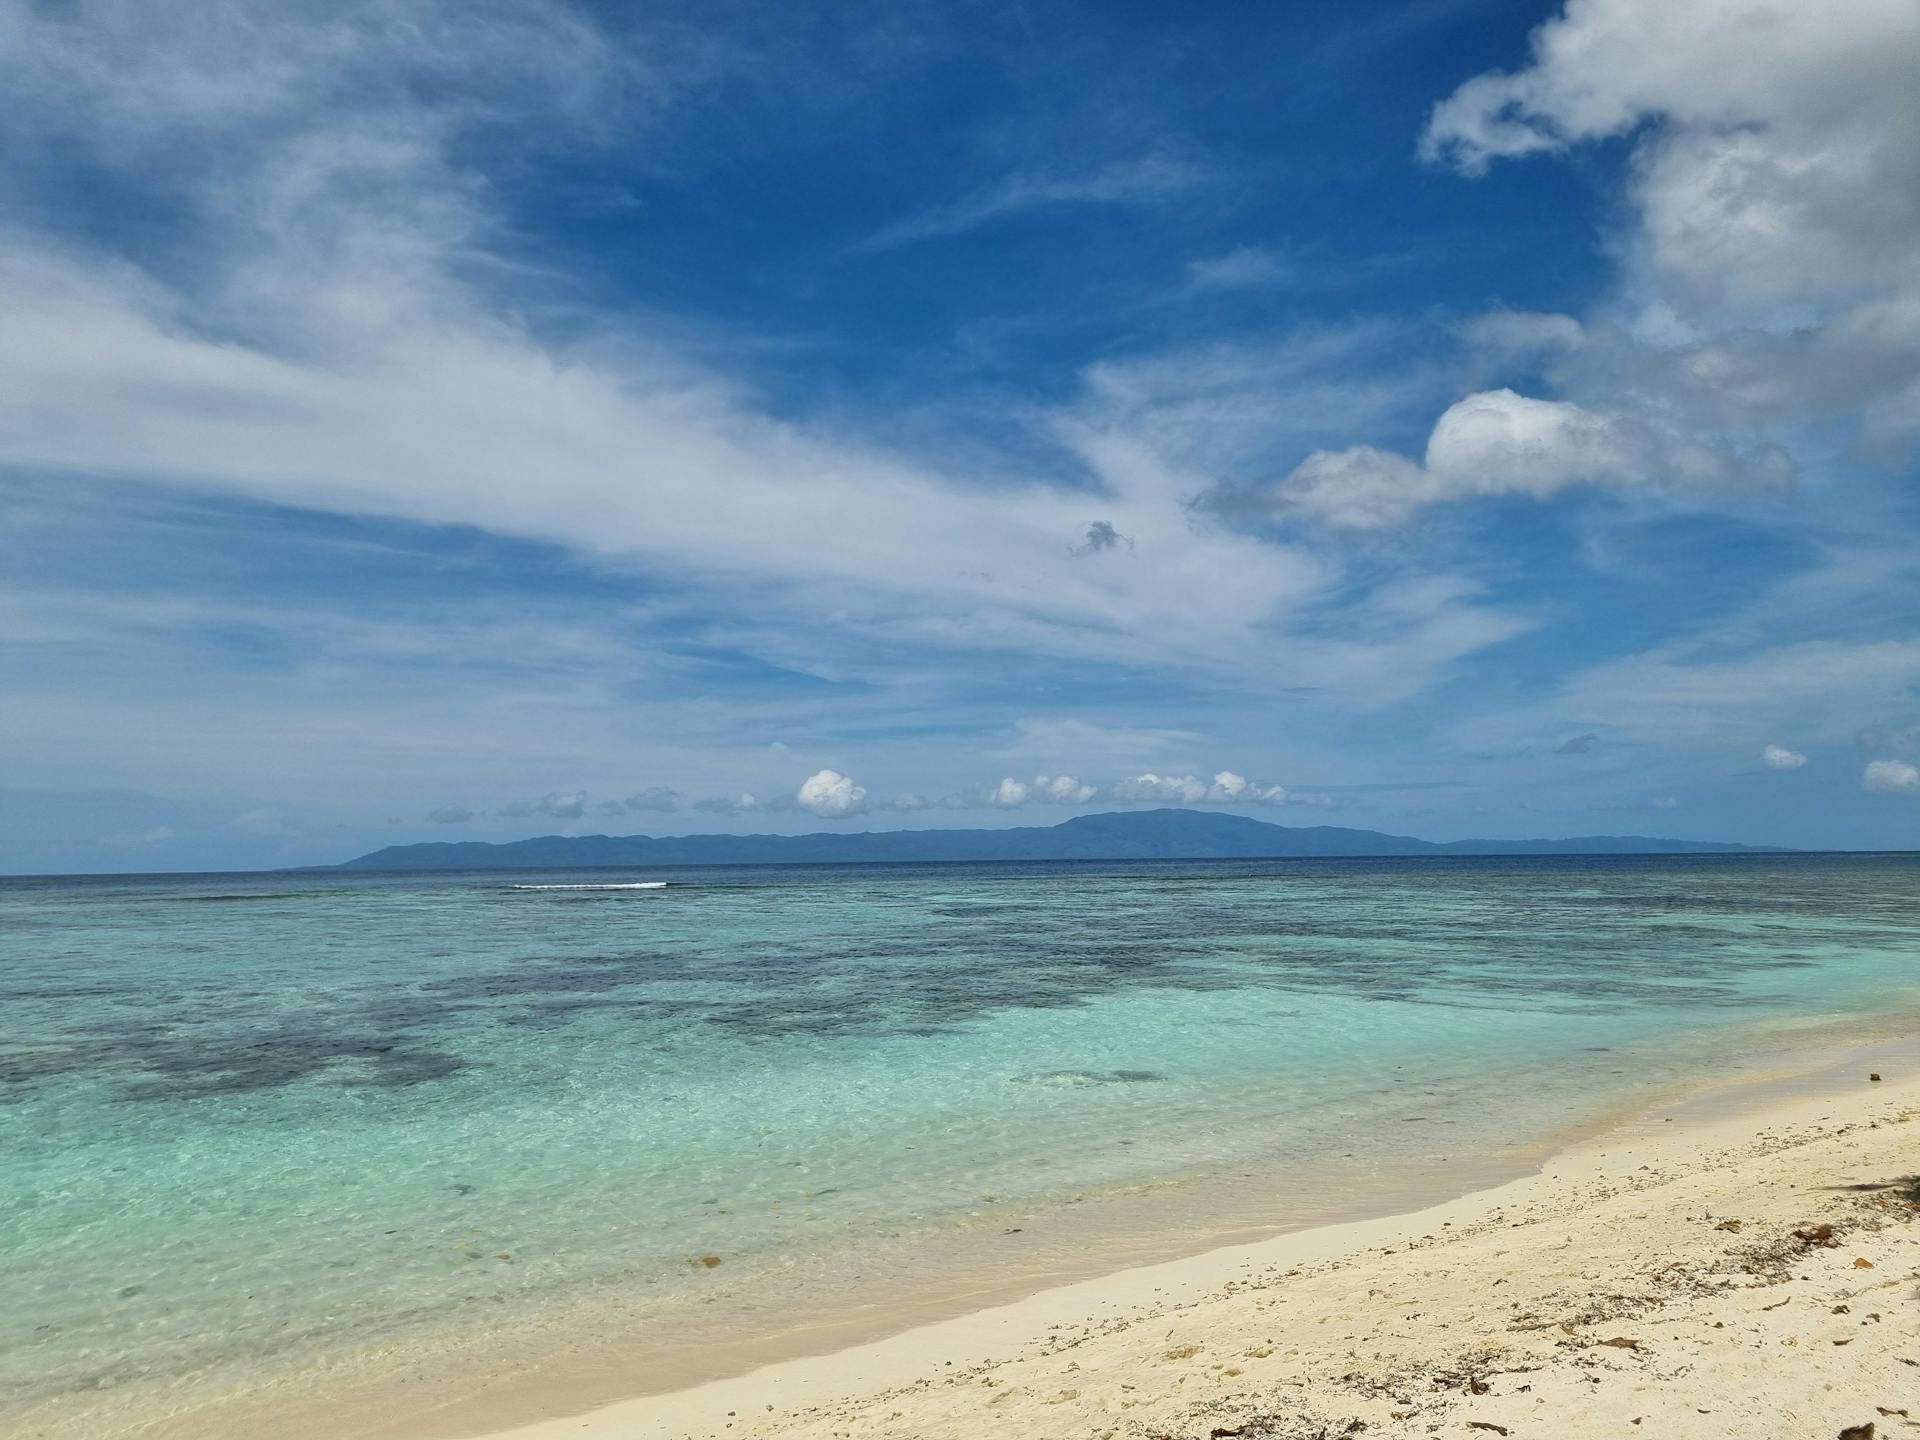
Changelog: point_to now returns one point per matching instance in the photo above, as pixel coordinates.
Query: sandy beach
(784, 720)
(1744, 1263)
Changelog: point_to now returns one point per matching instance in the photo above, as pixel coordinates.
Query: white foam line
(628, 885)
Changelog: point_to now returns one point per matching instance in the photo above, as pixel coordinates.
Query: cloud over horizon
(420, 416)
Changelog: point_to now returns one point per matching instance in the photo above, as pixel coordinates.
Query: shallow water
(250, 1121)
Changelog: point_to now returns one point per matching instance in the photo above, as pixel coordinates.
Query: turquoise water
(250, 1120)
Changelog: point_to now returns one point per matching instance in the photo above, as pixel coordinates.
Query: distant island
(1120, 835)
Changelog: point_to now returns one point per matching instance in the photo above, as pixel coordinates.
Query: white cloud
(1498, 442)
(831, 795)
(1179, 789)
(355, 335)
(1768, 279)
(1757, 169)
(1779, 757)
(1062, 790)
(1146, 180)
(1226, 788)
(1239, 269)
(1523, 331)
(1891, 777)
(1775, 197)
(1363, 488)
(1009, 794)
(1231, 789)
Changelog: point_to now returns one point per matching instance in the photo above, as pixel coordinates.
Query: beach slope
(1752, 1273)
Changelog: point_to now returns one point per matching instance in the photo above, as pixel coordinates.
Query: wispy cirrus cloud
(329, 278)
(1241, 268)
(1151, 179)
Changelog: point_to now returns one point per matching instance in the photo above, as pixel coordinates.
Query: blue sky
(468, 420)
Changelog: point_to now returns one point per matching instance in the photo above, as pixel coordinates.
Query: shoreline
(588, 1374)
(621, 1383)
(1783, 1117)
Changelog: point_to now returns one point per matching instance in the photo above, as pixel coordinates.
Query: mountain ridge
(1165, 834)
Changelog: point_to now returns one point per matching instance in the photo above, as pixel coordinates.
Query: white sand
(1645, 1284)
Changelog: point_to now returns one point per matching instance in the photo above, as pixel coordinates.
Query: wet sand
(1744, 1262)
(1475, 1288)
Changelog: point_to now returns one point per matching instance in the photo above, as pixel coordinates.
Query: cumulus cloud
(1499, 442)
(1769, 276)
(1062, 790)
(1231, 789)
(1226, 788)
(1775, 198)
(1779, 757)
(1182, 789)
(1891, 777)
(1009, 794)
(831, 795)
(1820, 108)
(450, 815)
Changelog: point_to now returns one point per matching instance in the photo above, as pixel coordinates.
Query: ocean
(258, 1125)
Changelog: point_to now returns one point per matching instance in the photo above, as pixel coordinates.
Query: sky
(467, 419)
